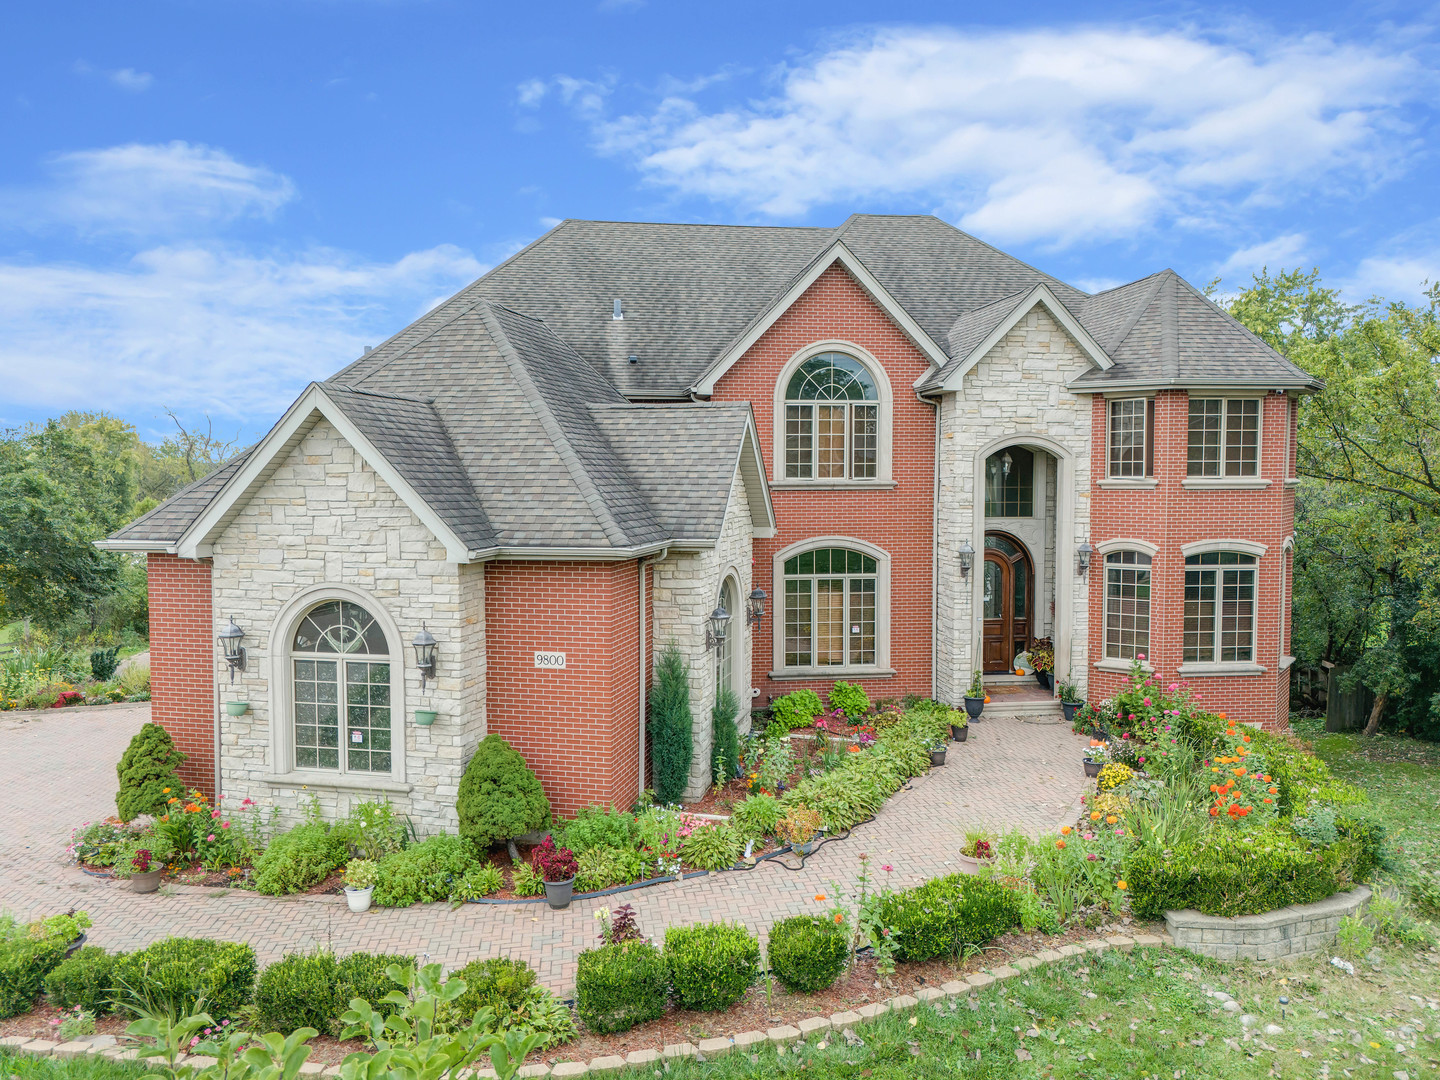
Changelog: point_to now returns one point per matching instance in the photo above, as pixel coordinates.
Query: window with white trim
(832, 420)
(1132, 437)
(831, 607)
(1127, 604)
(1219, 608)
(1224, 437)
(340, 670)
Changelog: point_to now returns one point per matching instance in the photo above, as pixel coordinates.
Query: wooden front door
(1008, 584)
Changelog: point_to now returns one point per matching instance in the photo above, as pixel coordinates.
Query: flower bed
(43, 674)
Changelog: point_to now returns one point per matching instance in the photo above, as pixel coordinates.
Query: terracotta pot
(558, 894)
(146, 882)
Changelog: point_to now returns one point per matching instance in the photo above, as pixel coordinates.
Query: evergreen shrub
(619, 986)
(670, 727)
(300, 990)
(809, 952)
(177, 972)
(146, 769)
(84, 979)
(500, 796)
(710, 966)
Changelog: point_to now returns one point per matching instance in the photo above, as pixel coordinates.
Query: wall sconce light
(1082, 556)
(1005, 462)
(234, 652)
(755, 608)
(425, 646)
(715, 628)
(967, 558)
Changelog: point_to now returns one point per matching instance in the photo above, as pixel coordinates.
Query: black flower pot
(960, 733)
(937, 757)
(1092, 768)
(1070, 708)
(974, 706)
(1046, 680)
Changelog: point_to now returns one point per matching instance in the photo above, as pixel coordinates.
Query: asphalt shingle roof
(166, 523)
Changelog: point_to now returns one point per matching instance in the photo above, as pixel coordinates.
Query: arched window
(1010, 483)
(830, 609)
(832, 420)
(725, 654)
(1219, 608)
(340, 666)
(1127, 604)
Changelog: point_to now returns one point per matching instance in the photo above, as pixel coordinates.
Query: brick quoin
(577, 727)
(1171, 516)
(182, 663)
(898, 520)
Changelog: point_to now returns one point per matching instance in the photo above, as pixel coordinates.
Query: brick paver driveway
(60, 771)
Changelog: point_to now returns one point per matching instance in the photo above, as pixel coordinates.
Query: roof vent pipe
(619, 312)
(634, 359)
(369, 347)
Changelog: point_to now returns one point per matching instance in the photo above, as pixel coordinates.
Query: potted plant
(937, 752)
(1096, 757)
(975, 699)
(959, 725)
(557, 868)
(1070, 701)
(1042, 659)
(360, 878)
(978, 849)
(800, 827)
(146, 871)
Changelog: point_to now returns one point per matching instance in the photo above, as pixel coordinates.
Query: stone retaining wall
(1273, 935)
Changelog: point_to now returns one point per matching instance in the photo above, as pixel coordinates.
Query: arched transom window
(832, 420)
(341, 669)
(830, 608)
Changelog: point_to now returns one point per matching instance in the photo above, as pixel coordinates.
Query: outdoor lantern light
(1005, 462)
(755, 607)
(1082, 555)
(425, 654)
(715, 628)
(234, 651)
(967, 558)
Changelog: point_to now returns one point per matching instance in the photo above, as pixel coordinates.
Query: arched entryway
(1008, 585)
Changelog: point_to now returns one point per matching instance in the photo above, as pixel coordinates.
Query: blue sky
(206, 204)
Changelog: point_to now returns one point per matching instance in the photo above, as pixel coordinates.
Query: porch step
(1022, 709)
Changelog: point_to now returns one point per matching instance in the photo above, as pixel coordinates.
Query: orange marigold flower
(1274, 791)
(1269, 800)
(1111, 820)
(1240, 771)
(1095, 815)
(165, 791)
(838, 918)
(820, 896)
(1121, 885)
(1059, 843)
(1066, 831)
(1245, 738)
(1214, 811)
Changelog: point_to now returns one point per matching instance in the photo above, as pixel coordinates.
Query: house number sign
(549, 659)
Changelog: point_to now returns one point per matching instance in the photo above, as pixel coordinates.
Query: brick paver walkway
(60, 771)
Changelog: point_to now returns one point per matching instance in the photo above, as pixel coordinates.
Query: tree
(727, 736)
(671, 727)
(147, 774)
(1368, 514)
(500, 797)
(201, 453)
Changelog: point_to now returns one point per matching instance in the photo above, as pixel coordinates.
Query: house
(926, 453)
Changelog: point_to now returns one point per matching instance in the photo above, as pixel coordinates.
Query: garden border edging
(1294, 930)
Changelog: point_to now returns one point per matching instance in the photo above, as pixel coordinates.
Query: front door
(1008, 584)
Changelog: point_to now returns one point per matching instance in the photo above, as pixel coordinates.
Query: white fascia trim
(196, 542)
(584, 554)
(762, 527)
(1243, 547)
(837, 252)
(1241, 387)
(1125, 543)
(136, 546)
(1040, 294)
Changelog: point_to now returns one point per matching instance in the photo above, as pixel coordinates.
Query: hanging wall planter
(425, 717)
(236, 708)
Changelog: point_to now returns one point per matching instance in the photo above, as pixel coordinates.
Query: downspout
(937, 405)
(643, 564)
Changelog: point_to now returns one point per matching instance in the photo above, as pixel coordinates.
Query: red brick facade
(898, 520)
(1171, 516)
(577, 727)
(182, 663)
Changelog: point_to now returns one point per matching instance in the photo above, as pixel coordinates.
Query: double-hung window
(830, 608)
(832, 420)
(1127, 604)
(1224, 437)
(1219, 608)
(1132, 438)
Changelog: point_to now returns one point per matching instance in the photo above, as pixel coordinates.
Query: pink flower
(248, 802)
(210, 839)
(225, 824)
(195, 1041)
(1140, 655)
(215, 813)
(887, 869)
(1147, 701)
(1088, 835)
(1119, 832)
(1092, 856)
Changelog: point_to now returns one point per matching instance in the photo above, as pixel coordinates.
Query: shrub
(800, 825)
(103, 663)
(726, 764)
(147, 773)
(299, 859)
(712, 847)
(711, 966)
(1317, 828)
(601, 867)
(423, 873)
(553, 863)
(851, 700)
(478, 881)
(301, 990)
(757, 817)
(24, 963)
(135, 681)
(808, 952)
(670, 726)
(796, 709)
(945, 915)
(177, 972)
(598, 826)
(362, 975)
(619, 986)
(83, 980)
(507, 987)
(500, 796)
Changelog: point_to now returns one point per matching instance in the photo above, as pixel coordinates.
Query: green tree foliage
(671, 726)
(727, 736)
(500, 796)
(146, 769)
(1367, 553)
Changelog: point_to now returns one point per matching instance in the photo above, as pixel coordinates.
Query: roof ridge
(1125, 285)
(558, 438)
(1004, 254)
(1139, 312)
(1240, 326)
(414, 398)
(464, 310)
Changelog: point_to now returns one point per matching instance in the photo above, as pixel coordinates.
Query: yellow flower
(1111, 820)
(1121, 885)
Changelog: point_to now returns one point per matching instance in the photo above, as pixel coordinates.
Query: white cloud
(1283, 252)
(1052, 135)
(1393, 277)
(205, 329)
(126, 78)
(147, 189)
